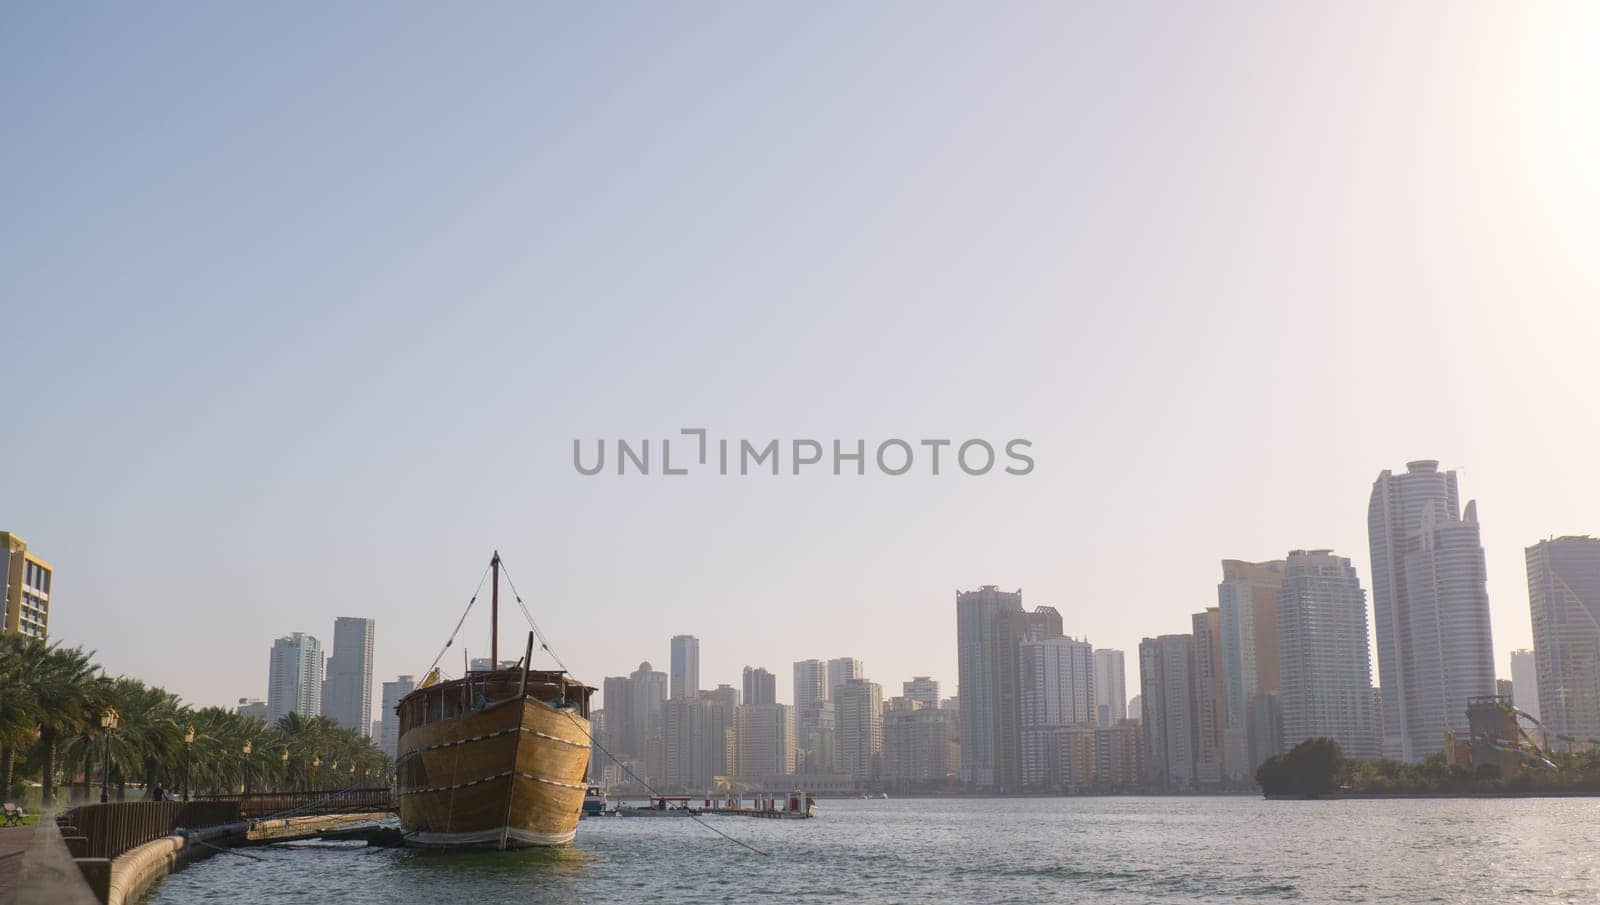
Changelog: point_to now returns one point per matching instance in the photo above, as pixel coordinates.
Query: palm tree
(59, 681)
(19, 708)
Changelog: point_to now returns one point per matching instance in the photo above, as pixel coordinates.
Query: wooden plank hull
(506, 775)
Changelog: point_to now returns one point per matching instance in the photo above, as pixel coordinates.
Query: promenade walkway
(13, 842)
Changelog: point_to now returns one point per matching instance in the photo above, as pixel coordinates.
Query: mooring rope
(545, 645)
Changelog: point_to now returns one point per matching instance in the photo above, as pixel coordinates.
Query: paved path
(13, 842)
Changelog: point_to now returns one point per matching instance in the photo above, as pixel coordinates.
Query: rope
(227, 851)
(459, 622)
(640, 780)
(545, 645)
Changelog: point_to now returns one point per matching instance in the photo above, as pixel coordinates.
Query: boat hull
(507, 775)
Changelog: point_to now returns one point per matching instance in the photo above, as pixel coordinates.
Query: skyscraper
(619, 738)
(1166, 683)
(1435, 649)
(1326, 663)
(685, 666)
(922, 688)
(1110, 687)
(810, 683)
(294, 677)
(25, 582)
(760, 686)
(990, 627)
(813, 716)
(917, 744)
(1056, 695)
(1525, 682)
(842, 670)
(389, 720)
(1210, 701)
(647, 714)
(858, 729)
(1247, 601)
(765, 738)
(1564, 595)
(347, 690)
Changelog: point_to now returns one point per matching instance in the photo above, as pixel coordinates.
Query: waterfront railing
(115, 827)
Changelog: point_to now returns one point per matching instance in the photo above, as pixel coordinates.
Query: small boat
(498, 758)
(594, 802)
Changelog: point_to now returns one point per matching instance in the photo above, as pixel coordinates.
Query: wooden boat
(498, 758)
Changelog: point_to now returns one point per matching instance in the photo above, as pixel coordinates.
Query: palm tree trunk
(8, 765)
(47, 782)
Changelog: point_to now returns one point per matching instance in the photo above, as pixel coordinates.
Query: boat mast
(494, 614)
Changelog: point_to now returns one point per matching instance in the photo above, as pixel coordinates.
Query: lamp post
(316, 764)
(188, 755)
(286, 768)
(109, 719)
(247, 748)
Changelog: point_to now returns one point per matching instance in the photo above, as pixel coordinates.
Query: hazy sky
(304, 306)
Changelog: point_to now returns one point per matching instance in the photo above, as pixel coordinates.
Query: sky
(304, 306)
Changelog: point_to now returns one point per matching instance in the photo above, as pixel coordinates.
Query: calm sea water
(986, 851)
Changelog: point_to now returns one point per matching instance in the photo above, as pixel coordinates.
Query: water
(980, 851)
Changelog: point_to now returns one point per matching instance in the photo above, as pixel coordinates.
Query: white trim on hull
(514, 837)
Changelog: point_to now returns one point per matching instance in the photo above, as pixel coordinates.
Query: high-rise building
(389, 718)
(976, 612)
(1507, 689)
(1525, 682)
(1110, 687)
(1136, 708)
(858, 729)
(765, 738)
(1119, 756)
(917, 745)
(347, 689)
(810, 684)
(721, 724)
(760, 686)
(842, 670)
(1326, 663)
(691, 759)
(1247, 601)
(1431, 608)
(1564, 595)
(25, 580)
(813, 716)
(685, 666)
(1056, 695)
(294, 677)
(618, 700)
(1210, 709)
(1166, 684)
(990, 628)
(252, 709)
(922, 688)
(647, 715)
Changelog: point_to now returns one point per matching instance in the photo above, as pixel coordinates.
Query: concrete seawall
(133, 871)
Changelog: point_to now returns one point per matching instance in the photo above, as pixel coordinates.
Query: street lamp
(286, 768)
(247, 748)
(188, 754)
(109, 720)
(316, 764)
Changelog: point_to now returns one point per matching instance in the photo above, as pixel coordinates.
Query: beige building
(27, 581)
(918, 745)
(765, 737)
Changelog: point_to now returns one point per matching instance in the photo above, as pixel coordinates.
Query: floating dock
(792, 806)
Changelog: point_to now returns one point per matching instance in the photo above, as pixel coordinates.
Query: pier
(786, 806)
